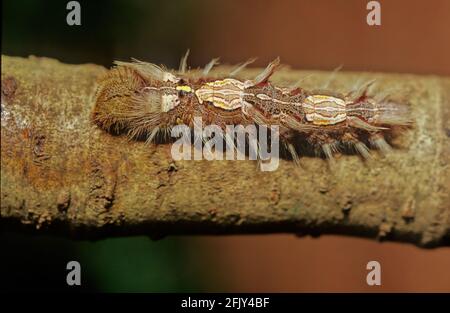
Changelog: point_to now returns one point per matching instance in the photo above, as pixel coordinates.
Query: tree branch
(61, 174)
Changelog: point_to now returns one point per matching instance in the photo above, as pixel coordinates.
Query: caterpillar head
(138, 97)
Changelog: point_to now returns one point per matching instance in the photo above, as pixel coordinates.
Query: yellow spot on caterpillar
(184, 88)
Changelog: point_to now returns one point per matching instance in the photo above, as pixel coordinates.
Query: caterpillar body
(143, 100)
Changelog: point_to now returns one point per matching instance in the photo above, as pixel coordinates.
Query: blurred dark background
(414, 38)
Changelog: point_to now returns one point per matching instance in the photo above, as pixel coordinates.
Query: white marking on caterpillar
(226, 94)
(324, 110)
(169, 102)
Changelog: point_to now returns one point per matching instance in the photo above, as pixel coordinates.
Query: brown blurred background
(414, 37)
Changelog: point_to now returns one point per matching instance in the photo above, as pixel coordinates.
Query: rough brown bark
(62, 174)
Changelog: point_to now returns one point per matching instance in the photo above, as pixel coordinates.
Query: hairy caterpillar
(142, 100)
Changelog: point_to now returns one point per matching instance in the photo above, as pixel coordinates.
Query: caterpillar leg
(254, 114)
(325, 144)
(292, 123)
(384, 95)
(298, 82)
(362, 149)
(265, 75)
(240, 67)
(152, 135)
(328, 150)
(183, 62)
(209, 66)
(361, 90)
(292, 151)
(380, 143)
(166, 132)
(359, 123)
(149, 70)
(332, 77)
(351, 140)
(287, 139)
